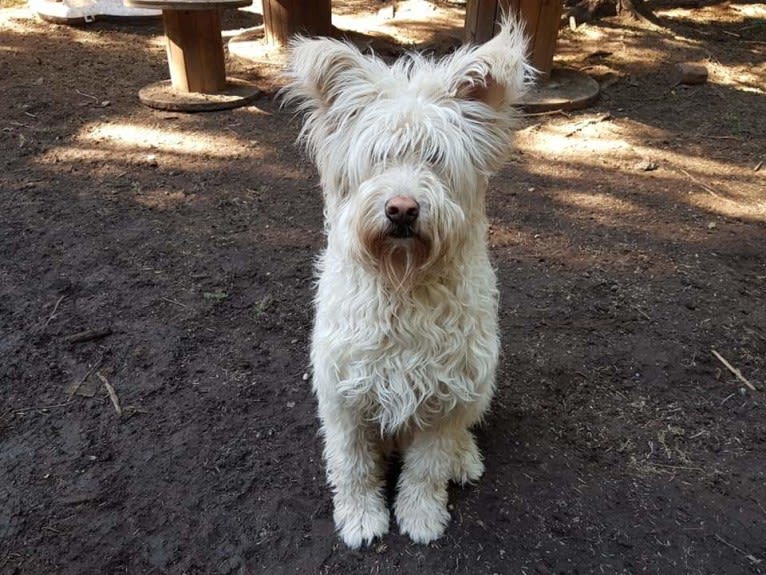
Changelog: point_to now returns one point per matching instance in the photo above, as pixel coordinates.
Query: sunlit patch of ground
(624, 145)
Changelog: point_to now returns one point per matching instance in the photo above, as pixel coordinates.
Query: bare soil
(629, 240)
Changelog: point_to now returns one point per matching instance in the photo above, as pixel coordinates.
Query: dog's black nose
(402, 210)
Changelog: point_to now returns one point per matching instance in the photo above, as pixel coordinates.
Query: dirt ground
(629, 240)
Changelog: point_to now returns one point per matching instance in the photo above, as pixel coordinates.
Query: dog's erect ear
(496, 73)
(321, 69)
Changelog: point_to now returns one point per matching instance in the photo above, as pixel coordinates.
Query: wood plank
(546, 35)
(541, 21)
(529, 11)
(195, 50)
(480, 20)
(284, 18)
(469, 27)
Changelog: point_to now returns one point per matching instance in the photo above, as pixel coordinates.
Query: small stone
(290, 404)
(305, 377)
(712, 225)
(691, 74)
(645, 166)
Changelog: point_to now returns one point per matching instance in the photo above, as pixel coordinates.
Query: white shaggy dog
(406, 341)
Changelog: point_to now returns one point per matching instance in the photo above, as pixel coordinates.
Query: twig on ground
(169, 300)
(668, 466)
(703, 185)
(709, 137)
(41, 407)
(589, 121)
(88, 373)
(734, 370)
(548, 113)
(89, 334)
(758, 166)
(643, 313)
(86, 95)
(752, 558)
(55, 309)
(111, 392)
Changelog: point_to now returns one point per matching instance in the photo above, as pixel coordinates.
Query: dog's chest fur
(406, 360)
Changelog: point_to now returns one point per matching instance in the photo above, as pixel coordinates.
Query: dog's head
(404, 151)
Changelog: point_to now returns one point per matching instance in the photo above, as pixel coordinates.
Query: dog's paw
(468, 466)
(422, 516)
(362, 520)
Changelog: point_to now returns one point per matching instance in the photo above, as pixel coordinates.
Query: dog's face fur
(420, 136)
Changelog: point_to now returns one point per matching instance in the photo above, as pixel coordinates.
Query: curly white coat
(405, 342)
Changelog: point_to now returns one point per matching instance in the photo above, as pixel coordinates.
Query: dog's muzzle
(402, 213)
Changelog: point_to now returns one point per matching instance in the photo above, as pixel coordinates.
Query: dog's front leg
(354, 469)
(430, 461)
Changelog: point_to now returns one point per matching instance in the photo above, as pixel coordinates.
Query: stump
(541, 18)
(284, 18)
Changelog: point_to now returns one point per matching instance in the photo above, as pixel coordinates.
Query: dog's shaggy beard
(406, 255)
(399, 260)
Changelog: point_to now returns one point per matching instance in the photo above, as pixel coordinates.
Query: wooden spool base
(162, 96)
(564, 90)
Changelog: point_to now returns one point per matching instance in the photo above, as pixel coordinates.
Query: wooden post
(541, 18)
(284, 18)
(195, 50)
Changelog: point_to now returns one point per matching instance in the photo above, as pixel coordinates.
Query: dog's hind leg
(355, 470)
(429, 464)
